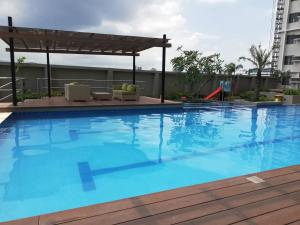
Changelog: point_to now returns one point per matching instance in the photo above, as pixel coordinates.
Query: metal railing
(57, 84)
(104, 85)
(6, 87)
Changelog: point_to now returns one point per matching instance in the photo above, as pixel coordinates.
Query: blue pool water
(62, 160)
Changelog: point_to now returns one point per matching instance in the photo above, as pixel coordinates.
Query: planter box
(291, 99)
(263, 104)
(258, 104)
(269, 95)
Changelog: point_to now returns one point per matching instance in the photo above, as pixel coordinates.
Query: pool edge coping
(82, 108)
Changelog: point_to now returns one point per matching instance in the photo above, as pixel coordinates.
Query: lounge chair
(126, 92)
(77, 92)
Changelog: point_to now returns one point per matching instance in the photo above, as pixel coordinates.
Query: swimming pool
(62, 160)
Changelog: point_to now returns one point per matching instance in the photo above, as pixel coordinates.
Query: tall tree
(282, 76)
(231, 68)
(20, 63)
(188, 62)
(259, 57)
(195, 65)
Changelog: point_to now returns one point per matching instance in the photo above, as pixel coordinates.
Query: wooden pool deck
(55, 103)
(231, 201)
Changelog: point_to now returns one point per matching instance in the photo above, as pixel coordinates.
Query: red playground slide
(217, 91)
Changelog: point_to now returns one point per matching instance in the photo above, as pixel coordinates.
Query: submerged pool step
(204, 106)
(201, 106)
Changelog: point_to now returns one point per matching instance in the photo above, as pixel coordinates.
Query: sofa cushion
(131, 88)
(124, 86)
(74, 83)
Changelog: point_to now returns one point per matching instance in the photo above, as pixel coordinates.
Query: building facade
(286, 52)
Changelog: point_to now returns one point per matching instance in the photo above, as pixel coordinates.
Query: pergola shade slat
(84, 52)
(37, 40)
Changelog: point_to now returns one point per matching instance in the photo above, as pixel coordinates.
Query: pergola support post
(12, 64)
(48, 73)
(163, 71)
(133, 70)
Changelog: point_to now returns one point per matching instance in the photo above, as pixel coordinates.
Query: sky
(228, 27)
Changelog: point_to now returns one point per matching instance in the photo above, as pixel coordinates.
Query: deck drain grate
(255, 179)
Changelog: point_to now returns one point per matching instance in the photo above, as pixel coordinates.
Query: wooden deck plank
(183, 202)
(219, 202)
(115, 206)
(27, 221)
(279, 217)
(247, 211)
(294, 223)
(201, 210)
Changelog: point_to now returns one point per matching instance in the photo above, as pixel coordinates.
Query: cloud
(160, 17)
(216, 1)
(9, 8)
(204, 25)
(68, 14)
(155, 19)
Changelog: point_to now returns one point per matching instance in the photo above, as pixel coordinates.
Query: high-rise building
(286, 52)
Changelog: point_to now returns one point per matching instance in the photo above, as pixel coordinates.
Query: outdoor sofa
(126, 92)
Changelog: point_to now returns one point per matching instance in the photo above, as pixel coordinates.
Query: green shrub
(177, 95)
(28, 94)
(264, 98)
(250, 96)
(292, 92)
(232, 98)
(55, 94)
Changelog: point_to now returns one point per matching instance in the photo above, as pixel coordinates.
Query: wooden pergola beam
(54, 43)
(135, 46)
(23, 41)
(79, 40)
(74, 52)
(90, 36)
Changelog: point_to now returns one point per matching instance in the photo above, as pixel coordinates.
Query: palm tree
(259, 57)
(231, 68)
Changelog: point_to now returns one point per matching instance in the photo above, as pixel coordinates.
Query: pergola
(35, 40)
